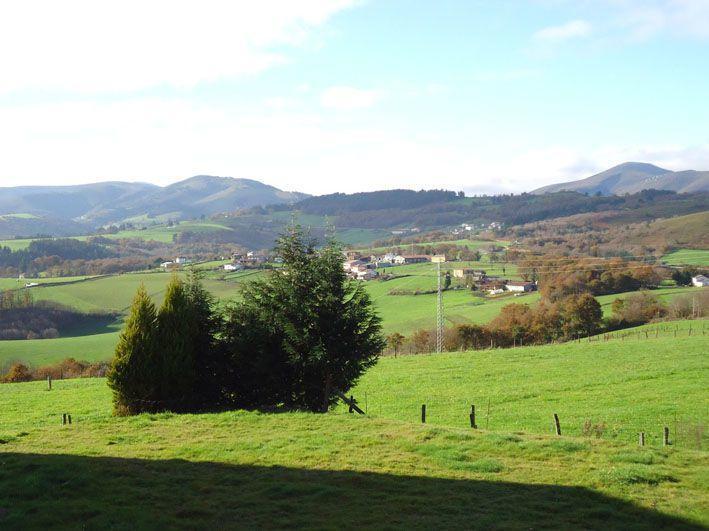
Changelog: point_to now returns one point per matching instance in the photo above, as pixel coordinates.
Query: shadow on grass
(93, 324)
(65, 491)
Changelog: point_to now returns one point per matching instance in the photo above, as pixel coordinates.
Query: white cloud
(349, 98)
(163, 140)
(571, 30)
(643, 19)
(90, 46)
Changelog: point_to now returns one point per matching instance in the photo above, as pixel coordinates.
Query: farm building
(700, 281)
(411, 259)
(476, 274)
(521, 286)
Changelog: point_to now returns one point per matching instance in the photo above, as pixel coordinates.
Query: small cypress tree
(135, 367)
(176, 336)
(210, 364)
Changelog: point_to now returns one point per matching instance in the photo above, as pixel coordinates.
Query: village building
(523, 287)
(475, 274)
(411, 259)
(700, 281)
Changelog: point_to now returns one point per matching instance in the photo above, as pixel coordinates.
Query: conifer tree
(210, 364)
(135, 368)
(176, 347)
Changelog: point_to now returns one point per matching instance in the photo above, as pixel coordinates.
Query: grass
(629, 386)
(691, 257)
(664, 295)
(159, 233)
(299, 470)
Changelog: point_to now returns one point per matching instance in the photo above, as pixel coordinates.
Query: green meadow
(641, 383)
(403, 313)
(691, 257)
(385, 469)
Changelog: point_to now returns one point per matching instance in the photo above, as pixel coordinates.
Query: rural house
(411, 259)
(700, 281)
(523, 287)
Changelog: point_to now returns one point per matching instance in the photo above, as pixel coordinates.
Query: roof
(517, 283)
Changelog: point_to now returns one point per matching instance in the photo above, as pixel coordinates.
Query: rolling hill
(632, 177)
(108, 202)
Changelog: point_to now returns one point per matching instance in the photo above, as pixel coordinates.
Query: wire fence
(511, 414)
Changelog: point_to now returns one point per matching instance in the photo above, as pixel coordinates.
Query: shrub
(18, 373)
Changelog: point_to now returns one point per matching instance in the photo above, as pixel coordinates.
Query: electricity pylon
(439, 312)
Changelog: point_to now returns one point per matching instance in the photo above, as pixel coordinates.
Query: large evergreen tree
(304, 334)
(135, 369)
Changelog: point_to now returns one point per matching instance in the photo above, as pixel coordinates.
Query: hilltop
(112, 202)
(633, 177)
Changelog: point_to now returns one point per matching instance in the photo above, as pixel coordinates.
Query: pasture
(688, 257)
(637, 384)
(385, 469)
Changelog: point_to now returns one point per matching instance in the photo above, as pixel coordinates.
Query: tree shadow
(67, 491)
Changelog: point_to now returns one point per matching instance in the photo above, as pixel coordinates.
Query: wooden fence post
(472, 416)
(666, 436)
(351, 402)
(63, 418)
(557, 425)
(423, 413)
(49, 382)
(642, 438)
(68, 417)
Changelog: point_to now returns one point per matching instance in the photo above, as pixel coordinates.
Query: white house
(182, 260)
(521, 286)
(233, 267)
(700, 281)
(366, 274)
(165, 265)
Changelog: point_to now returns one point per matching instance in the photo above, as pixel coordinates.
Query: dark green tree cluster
(158, 358)
(296, 339)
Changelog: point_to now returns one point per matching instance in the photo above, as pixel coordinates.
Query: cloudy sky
(350, 95)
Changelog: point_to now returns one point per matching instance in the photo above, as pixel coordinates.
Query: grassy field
(664, 295)
(692, 257)
(629, 386)
(383, 470)
(400, 313)
(159, 233)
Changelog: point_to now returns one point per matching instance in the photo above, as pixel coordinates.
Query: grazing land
(628, 386)
(403, 313)
(272, 470)
(691, 257)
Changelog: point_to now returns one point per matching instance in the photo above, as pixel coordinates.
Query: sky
(324, 96)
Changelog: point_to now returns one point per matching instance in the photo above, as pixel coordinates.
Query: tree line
(296, 339)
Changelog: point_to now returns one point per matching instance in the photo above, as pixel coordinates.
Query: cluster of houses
(365, 268)
(492, 284)
(178, 261)
(470, 227)
(241, 261)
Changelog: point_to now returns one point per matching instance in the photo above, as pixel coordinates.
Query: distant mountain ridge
(632, 177)
(111, 202)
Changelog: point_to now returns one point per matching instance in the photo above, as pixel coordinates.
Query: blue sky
(346, 95)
